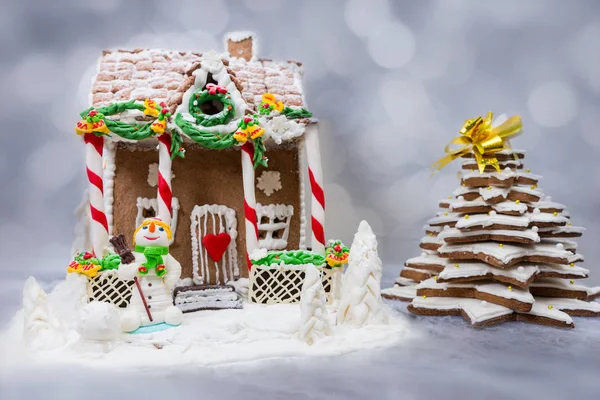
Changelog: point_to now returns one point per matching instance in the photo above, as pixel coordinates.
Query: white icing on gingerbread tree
(498, 226)
(360, 301)
(314, 320)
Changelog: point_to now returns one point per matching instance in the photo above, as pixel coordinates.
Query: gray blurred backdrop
(392, 82)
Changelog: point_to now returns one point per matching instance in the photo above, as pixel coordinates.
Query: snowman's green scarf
(154, 259)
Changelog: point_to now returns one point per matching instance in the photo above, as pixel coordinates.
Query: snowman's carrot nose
(152, 227)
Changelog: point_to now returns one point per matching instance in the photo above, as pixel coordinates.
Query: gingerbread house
(218, 145)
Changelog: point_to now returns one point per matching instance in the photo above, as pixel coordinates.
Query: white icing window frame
(144, 203)
(272, 212)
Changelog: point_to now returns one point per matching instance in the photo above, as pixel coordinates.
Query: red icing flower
(265, 105)
(213, 89)
(337, 248)
(248, 119)
(92, 113)
(87, 255)
(164, 111)
(160, 268)
(143, 269)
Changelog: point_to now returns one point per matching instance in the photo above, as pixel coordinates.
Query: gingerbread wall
(202, 177)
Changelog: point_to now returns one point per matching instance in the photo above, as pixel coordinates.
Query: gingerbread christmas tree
(499, 249)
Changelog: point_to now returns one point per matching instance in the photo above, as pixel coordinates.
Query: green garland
(203, 138)
(293, 257)
(214, 141)
(295, 113)
(221, 118)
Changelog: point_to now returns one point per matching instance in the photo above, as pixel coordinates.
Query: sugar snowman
(157, 272)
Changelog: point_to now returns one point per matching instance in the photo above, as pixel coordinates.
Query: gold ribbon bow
(478, 135)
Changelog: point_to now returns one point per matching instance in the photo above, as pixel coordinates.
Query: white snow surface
(206, 338)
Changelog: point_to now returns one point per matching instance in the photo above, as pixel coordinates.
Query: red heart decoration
(216, 245)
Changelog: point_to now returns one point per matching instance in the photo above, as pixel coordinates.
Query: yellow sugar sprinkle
(572, 265)
(456, 265)
(517, 201)
(489, 188)
(464, 184)
(533, 186)
(435, 278)
(445, 214)
(550, 307)
(510, 288)
(467, 216)
(424, 297)
(527, 170)
(500, 245)
(572, 282)
(430, 234)
(555, 213)
(569, 223)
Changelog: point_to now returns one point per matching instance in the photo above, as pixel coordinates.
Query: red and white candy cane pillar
(165, 191)
(249, 200)
(315, 175)
(94, 146)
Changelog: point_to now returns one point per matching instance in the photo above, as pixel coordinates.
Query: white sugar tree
(361, 302)
(314, 322)
(39, 330)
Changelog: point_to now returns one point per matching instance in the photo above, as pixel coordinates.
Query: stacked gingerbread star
(499, 249)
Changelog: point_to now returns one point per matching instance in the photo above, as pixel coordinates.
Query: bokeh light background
(391, 82)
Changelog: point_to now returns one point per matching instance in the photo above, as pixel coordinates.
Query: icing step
(512, 164)
(416, 274)
(206, 297)
(570, 271)
(506, 255)
(553, 287)
(492, 221)
(426, 261)
(402, 293)
(458, 272)
(454, 235)
(444, 218)
(496, 293)
(430, 242)
(481, 313)
(481, 206)
(565, 231)
(505, 178)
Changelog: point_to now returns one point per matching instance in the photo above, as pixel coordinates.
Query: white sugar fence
(282, 284)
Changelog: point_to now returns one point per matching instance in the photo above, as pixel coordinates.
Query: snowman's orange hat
(152, 223)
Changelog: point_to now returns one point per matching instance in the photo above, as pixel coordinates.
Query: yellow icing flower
(74, 267)
(159, 126)
(256, 132)
(90, 270)
(83, 127)
(150, 108)
(268, 98)
(240, 136)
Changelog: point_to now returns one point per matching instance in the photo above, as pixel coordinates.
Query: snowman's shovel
(127, 257)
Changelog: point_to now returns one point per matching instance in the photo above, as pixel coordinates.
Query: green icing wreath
(212, 92)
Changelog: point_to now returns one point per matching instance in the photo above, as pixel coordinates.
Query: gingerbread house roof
(164, 75)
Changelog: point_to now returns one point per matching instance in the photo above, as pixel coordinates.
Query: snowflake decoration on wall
(269, 182)
(153, 174)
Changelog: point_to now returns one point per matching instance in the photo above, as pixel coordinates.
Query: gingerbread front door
(214, 253)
